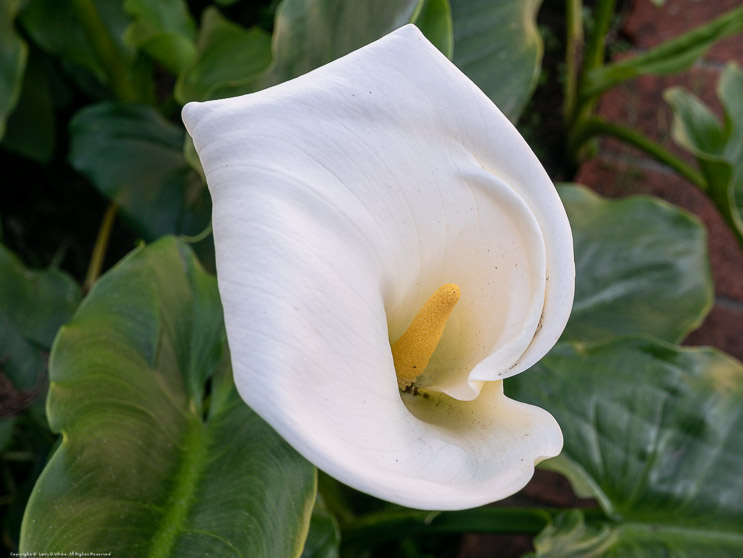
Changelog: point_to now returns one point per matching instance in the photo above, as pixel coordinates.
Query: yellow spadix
(412, 351)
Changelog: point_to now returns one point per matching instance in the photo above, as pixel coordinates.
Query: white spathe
(342, 200)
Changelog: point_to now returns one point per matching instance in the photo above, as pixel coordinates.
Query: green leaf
(33, 306)
(310, 33)
(668, 58)
(55, 28)
(696, 126)
(435, 22)
(729, 92)
(717, 147)
(324, 537)
(307, 34)
(160, 457)
(38, 302)
(165, 30)
(31, 128)
(571, 536)
(88, 35)
(13, 53)
(655, 433)
(498, 46)
(135, 158)
(227, 56)
(641, 267)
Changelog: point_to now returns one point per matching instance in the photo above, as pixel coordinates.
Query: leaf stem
(106, 50)
(595, 126)
(596, 44)
(593, 57)
(194, 239)
(672, 56)
(101, 244)
(382, 527)
(573, 54)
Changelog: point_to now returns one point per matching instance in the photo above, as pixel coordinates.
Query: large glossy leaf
(641, 267)
(717, 146)
(310, 33)
(498, 46)
(163, 29)
(160, 457)
(232, 60)
(135, 158)
(655, 434)
(13, 53)
(227, 57)
(668, 58)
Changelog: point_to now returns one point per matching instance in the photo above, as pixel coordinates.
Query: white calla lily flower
(343, 200)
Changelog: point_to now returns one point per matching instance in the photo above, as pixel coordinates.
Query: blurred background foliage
(97, 165)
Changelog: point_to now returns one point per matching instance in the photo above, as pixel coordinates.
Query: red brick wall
(620, 170)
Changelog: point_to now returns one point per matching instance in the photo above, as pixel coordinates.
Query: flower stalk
(101, 244)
